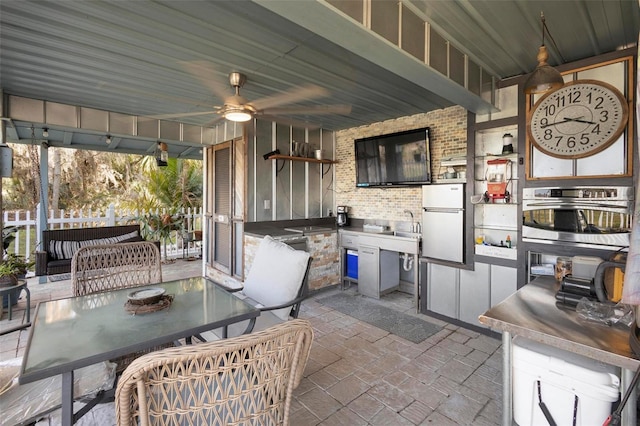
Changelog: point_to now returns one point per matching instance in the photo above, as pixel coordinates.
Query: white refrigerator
(443, 222)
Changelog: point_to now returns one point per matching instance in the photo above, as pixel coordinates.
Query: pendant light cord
(545, 28)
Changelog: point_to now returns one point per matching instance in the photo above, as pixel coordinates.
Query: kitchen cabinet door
(474, 293)
(442, 288)
(504, 282)
(368, 271)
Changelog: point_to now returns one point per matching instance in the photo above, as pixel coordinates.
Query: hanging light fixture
(544, 78)
(162, 154)
(45, 132)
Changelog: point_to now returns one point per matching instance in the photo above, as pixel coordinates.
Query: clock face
(581, 118)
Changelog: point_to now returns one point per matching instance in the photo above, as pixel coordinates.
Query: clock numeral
(571, 142)
(574, 97)
(596, 129)
(604, 116)
(559, 138)
(599, 101)
(549, 110)
(584, 139)
(547, 134)
(544, 122)
(560, 101)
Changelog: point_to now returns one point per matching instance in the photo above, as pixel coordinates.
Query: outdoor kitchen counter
(532, 313)
(321, 244)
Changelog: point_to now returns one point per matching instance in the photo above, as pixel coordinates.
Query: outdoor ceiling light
(45, 133)
(544, 78)
(238, 114)
(108, 139)
(162, 154)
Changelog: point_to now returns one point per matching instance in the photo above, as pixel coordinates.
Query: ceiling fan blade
(314, 110)
(289, 121)
(206, 74)
(126, 90)
(181, 114)
(214, 121)
(291, 96)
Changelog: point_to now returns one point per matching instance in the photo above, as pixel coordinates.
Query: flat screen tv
(401, 158)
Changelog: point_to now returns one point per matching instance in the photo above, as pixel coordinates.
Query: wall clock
(580, 119)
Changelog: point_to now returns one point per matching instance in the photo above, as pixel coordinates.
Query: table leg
(507, 392)
(629, 412)
(67, 398)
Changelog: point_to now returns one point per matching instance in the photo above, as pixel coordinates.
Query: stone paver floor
(357, 374)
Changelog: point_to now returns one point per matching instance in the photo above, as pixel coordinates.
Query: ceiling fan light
(238, 115)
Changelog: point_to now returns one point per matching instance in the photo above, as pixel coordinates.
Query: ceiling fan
(239, 109)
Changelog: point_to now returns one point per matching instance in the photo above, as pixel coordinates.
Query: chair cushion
(276, 275)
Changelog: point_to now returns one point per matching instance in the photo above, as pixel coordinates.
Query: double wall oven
(598, 217)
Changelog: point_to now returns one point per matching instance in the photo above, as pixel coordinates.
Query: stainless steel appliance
(587, 216)
(443, 222)
(342, 217)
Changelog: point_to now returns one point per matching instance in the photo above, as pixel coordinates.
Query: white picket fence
(26, 241)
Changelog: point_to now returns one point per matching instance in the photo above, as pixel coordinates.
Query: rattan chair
(245, 380)
(100, 268)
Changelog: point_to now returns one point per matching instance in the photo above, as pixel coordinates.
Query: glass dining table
(71, 333)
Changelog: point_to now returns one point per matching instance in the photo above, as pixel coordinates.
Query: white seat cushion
(276, 275)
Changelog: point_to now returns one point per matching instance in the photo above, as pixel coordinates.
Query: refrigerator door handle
(431, 209)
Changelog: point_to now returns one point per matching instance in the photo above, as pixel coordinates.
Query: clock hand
(578, 120)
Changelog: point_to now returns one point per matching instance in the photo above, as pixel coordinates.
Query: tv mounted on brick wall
(401, 158)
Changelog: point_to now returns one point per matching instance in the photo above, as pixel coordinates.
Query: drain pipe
(407, 265)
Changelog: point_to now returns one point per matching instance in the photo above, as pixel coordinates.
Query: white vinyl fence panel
(178, 245)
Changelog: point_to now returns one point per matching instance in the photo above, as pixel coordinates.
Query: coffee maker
(342, 219)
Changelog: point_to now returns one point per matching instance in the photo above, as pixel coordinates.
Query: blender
(342, 219)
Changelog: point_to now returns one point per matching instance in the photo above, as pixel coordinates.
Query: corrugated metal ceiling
(129, 56)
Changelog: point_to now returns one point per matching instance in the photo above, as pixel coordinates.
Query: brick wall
(448, 137)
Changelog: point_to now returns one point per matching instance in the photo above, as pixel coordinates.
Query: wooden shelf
(305, 159)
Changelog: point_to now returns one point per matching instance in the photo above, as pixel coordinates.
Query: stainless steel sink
(308, 229)
(407, 234)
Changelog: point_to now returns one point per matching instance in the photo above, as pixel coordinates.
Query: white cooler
(563, 376)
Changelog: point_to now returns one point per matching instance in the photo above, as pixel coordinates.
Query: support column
(42, 214)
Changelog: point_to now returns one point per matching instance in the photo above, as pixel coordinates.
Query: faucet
(413, 229)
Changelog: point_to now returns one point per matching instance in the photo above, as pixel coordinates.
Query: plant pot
(8, 280)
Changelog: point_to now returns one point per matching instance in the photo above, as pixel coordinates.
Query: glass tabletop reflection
(71, 333)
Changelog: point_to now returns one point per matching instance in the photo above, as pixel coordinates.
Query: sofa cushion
(276, 275)
(109, 240)
(60, 250)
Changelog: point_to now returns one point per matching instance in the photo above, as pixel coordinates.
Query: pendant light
(544, 78)
(162, 154)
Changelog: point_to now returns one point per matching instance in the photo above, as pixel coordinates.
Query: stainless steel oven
(588, 216)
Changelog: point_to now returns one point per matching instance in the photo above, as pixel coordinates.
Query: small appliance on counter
(342, 218)
(577, 275)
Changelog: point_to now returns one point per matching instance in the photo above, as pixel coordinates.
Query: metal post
(507, 391)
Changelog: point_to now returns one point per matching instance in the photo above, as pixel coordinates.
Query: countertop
(532, 313)
(279, 231)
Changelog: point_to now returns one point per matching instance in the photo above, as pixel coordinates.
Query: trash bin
(352, 264)
(564, 381)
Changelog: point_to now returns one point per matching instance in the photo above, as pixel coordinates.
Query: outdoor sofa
(59, 245)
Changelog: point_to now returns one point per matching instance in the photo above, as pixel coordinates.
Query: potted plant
(13, 267)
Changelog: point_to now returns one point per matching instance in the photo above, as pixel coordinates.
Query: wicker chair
(243, 380)
(100, 268)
